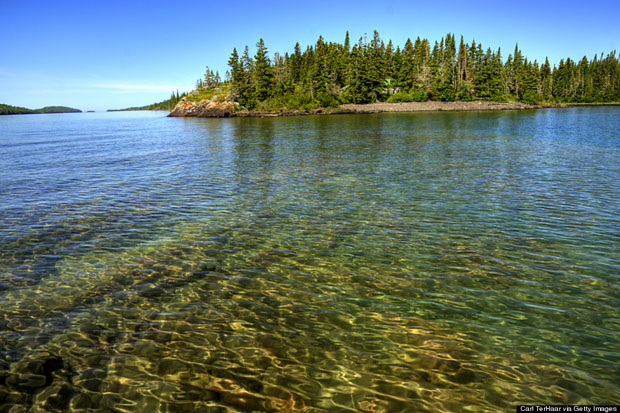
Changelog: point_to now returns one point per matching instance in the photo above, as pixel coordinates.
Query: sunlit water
(392, 262)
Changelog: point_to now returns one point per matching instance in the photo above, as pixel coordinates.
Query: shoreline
(210, 109)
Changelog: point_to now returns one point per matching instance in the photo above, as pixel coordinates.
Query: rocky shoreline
(211, 109)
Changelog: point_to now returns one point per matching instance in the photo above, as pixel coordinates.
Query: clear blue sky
(96, 55)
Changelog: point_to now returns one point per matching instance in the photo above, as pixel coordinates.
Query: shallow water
(390, 262)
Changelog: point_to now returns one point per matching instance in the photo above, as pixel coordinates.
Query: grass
(219, 93)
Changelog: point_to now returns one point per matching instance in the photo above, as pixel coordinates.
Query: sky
(98, 55)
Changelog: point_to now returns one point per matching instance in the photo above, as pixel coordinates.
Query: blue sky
(97, 55)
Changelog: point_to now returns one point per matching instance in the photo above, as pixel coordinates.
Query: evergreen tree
(461, 78)
(326, 73)
(295, 62)
(406, 74)
(545, 87)
(235, 73)
(244, 84)
(263, 75)
(444, 80)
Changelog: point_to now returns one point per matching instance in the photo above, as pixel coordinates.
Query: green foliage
(167, 104)
(326, 100)
(262, 72)
(17, 110)
(400, 97)
(57, 109)
(419, 96)
(531, 97)
(14, 110)
(327, 74)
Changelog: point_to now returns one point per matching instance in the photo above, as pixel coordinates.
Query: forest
(18, 110)
(167, 104)
(328, 74)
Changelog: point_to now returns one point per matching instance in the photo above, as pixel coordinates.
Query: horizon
(114, 55)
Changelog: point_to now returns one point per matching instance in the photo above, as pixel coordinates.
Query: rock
(204, 109)
(31, 381)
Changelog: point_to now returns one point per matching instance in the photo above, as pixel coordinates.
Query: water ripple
(395, 262)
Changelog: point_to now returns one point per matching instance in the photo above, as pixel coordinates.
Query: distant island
(17, 110)
(334, 78)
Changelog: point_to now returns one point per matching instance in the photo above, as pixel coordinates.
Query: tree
(263, 75)
(406, 74)
(327, 73)
(211, 80)
(244, 90)
(444, 80)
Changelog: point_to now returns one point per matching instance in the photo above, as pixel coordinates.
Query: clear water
(391, 262)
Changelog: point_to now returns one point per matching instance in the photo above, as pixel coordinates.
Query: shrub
(531, 98)
(297, 101)
(310, 106)
(326, 100)
(419, 96)
(400, 97)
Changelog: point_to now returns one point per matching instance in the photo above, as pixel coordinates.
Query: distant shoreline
(18, 110)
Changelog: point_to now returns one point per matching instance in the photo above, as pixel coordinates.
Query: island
(375, 76)
(17, 110)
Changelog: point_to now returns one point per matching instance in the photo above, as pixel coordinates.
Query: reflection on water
(396, 262)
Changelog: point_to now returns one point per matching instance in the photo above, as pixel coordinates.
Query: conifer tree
(545, 77)
(461, 78)
(235, 74)
(263, 74)
(407, 72)
(244, 85)
(295, 62)
(367, 72)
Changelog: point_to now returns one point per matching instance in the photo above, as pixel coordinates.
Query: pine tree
(545, 80)
(407, 73)
(295, 62)
(244, 85)
(367, 72)
(263, 75)
(235, 74)
(444, 81)
(461, 78)
(375, 70)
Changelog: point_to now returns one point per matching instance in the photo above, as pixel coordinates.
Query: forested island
(17, 110)
(329, 75)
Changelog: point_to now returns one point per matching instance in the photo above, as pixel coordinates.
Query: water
(391, 262)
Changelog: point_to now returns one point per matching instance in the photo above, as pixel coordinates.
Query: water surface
(387, 262)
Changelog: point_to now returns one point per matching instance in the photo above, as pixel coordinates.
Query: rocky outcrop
(225, 109)
(204, 109)
(433, 106)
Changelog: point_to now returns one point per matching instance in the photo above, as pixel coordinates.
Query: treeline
(18, 110)
(167, 104)
(327, 74)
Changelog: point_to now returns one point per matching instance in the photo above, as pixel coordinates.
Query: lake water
(389, 262)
